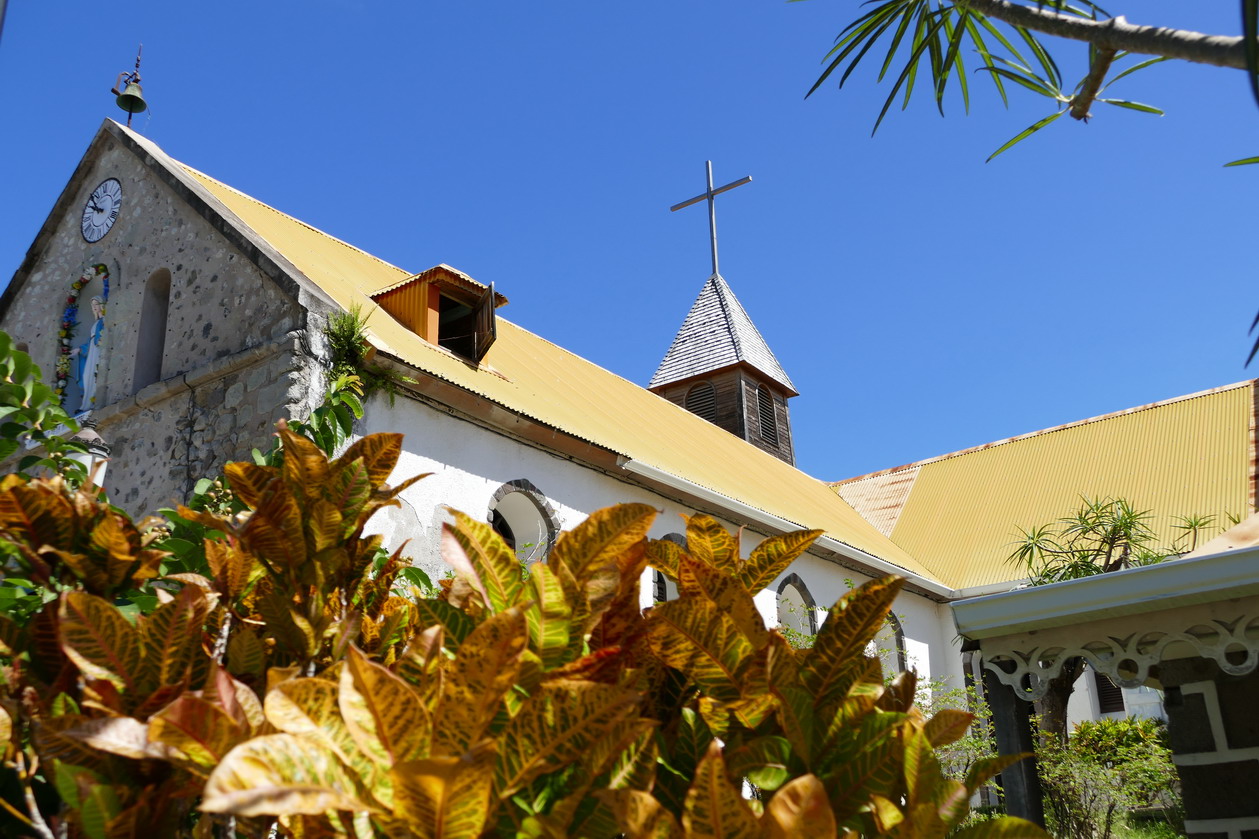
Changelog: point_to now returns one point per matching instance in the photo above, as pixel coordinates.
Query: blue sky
(922, 300)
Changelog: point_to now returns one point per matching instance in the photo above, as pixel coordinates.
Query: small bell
(131, 99)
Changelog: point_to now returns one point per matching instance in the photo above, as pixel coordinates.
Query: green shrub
(1108, 769)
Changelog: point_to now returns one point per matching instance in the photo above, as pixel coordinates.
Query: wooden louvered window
(701, 400)
(769, 418)
(486, 326)
(1109, 694)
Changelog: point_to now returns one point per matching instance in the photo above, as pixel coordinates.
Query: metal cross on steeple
(710, 194)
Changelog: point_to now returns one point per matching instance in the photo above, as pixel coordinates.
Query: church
(184, 318)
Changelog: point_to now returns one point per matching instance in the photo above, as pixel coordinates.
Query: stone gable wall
(236, 357)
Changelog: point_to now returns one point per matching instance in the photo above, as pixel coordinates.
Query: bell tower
(719, 367)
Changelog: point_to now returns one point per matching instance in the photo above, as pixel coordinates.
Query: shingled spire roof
(717, 333)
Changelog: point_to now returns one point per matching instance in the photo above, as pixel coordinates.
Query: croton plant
(298, 685)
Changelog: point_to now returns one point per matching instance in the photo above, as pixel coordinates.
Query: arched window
(769, 417)
(659, 583)
(523, 516)
(701, 400)
(151, 341)
(797, 611)
(898, 642)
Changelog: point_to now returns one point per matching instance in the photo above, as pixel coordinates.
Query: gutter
(1133, 591)
(738, 510)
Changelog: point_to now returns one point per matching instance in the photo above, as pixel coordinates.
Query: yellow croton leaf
(946, 726)
(383, 713)
(694, 636)
(556, 725)
(486, 666)
(727, 594)
(708, 541)
(171, 634)
(323, 524)
(601, 538)
(772, 556)
(309, 707)
(853, 623)
(799, 808)
(714, 807)
(548, 616)
(664, 556)
(642, 816)
(305, 467)
(281, 774)
(493, 562)
(201, 732)
(446, 797)
(379, 453)
(99, 640)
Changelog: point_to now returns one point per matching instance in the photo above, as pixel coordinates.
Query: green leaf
(1245, 161)
(1134, 68)
(98, 808)
(1025, 133)
(1006, 827)
(1250, 43)
(762, 760)
(1132, 106)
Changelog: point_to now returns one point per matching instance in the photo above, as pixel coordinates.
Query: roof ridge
(723, 290)
(293, 218)
(1052, 429)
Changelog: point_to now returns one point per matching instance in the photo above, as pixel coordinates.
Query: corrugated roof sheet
(1188, 456)
(531, 376)
(717, 333)
(880, 498)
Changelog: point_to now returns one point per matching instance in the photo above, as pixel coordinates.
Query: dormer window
(466, 327)
(447, 308)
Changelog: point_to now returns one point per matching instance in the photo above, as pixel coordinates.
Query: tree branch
(1082, 101)
(1118, 34)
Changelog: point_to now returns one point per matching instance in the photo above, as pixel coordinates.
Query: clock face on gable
(101, 210)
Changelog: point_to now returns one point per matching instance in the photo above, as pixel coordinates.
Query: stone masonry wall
(235, 355)
(178, 431)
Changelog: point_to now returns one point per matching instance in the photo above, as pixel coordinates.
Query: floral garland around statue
(70, 319)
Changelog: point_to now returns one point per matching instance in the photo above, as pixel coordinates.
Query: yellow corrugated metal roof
(533, 377)
(1189, 456)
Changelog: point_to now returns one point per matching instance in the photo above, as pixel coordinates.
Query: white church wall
(928, 625)
(470, 463)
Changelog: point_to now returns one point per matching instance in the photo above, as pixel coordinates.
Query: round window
(526, 523)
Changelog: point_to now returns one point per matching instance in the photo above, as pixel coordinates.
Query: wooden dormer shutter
(485, 330)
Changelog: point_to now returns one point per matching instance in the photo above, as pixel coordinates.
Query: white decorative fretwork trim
(1127, 648)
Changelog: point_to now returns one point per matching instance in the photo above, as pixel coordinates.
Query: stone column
(1213, 725)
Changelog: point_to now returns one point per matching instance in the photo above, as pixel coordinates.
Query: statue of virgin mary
(89, 353)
